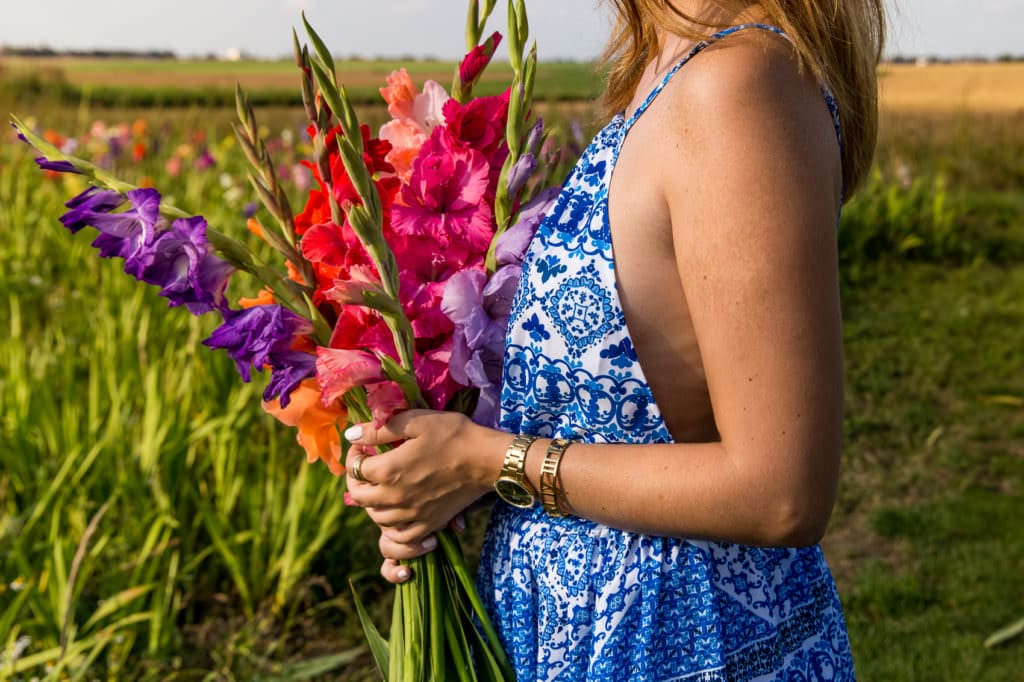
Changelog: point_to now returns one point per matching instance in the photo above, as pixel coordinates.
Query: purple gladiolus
(252, 335)
(535, 137)
(512, 245)
(180, 263)
(289, 369)
(204, 161)
(124, 234)
(87, 204)
(56, 166)
(479, 339)
(520, 173)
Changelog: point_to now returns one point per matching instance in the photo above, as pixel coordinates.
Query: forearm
(691, 490)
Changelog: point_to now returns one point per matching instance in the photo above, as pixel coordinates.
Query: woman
(687, 462)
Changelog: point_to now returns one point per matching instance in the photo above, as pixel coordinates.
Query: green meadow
(155, 524)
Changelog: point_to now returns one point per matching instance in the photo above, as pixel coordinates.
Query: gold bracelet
(549, 484)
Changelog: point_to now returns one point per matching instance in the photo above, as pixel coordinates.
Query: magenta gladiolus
(445, 197)
(477, 59)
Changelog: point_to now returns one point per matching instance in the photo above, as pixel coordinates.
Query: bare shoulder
(744, 102)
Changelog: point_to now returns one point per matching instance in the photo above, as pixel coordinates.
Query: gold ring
(357, 468)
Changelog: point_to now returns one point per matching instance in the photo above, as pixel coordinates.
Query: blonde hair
(838, 41)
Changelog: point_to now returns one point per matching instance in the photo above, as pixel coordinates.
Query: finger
(410, 534)
(390, 549)
(458, 524)
(395, 430)
(391, 518)
(394, 572)
(357, 455)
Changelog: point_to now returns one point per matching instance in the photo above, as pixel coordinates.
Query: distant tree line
(969, 59)
(92, 54)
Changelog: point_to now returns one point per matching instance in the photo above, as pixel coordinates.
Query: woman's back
(648, 257)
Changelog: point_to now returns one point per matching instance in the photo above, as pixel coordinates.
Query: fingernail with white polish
(460, 522)
(403, 573)
(353, 433)
(430, 543)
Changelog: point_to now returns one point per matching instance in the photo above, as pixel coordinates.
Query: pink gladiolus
(339, 370)
(384, 399)
(445, 197)
(434, 376)
(415, 115)
(399, 94)
(406, 139)
(477, 59)
(352, 291)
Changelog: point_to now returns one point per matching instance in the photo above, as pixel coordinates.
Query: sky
(564, 29)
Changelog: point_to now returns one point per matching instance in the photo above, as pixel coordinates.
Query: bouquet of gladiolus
(399, 276)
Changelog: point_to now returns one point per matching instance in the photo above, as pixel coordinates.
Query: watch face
(514, 492)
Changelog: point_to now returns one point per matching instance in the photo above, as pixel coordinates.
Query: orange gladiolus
(265, 297)
(318, 425)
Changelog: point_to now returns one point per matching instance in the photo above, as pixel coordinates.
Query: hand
(394, 552)
(445, 463)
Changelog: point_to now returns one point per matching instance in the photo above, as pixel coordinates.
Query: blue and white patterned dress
(576, 600)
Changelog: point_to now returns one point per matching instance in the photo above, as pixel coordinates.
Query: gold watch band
(549, 483)
(515, 456)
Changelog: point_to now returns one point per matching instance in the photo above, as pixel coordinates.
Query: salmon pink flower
(415, 115)
(400, 94)
(339, 370)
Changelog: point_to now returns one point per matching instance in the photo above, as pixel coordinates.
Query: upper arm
(751, 184)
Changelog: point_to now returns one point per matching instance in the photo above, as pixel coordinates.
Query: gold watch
(512, 485)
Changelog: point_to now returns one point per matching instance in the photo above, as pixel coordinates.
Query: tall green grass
(141, 487)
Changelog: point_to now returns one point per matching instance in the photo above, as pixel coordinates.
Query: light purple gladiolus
(179, 261)
(252, 335)
(479, 339)
(89, 203)
(124, 234)
(289, 369)
(534, 137)
(513, 243)
(520, 172)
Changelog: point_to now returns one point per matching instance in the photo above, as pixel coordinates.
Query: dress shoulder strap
(694, 51)
(829, 98)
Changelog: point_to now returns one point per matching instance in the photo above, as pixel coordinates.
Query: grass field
(154, 524)
(143, 82)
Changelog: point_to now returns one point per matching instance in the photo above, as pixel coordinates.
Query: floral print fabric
(575, 600)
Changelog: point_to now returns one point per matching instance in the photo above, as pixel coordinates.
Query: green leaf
(435, 617)
(378, 645)
(323, 54)
(113, 604)
(1006, 634)
(396, 667)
